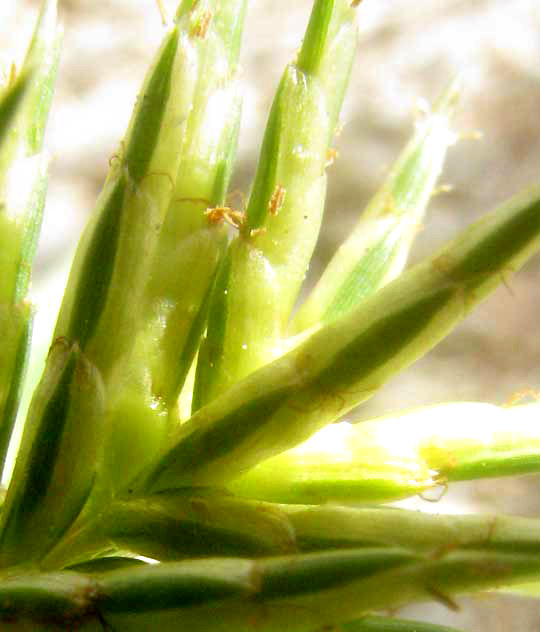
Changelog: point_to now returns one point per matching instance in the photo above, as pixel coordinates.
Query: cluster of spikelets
(186, 412)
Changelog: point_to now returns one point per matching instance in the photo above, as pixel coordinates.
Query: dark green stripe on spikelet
(98, 267)
(365, 353)
(59, 456)
(311, 573)
(225, 166)
(197, 523)
(210, 354)
(192, 345)
(47, 443)
(511, 233)
(190, 583)
(207, 445)
(10, 102)
(28, 491)
(109, 248)
(315, 39)
(263, 186)
(151, 108)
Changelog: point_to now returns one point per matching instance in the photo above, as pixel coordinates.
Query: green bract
(186, 414)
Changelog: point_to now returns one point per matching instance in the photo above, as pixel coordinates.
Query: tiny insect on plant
(233, 217)
(184, 463)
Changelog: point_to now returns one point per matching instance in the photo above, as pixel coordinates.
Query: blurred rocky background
(407, 50)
